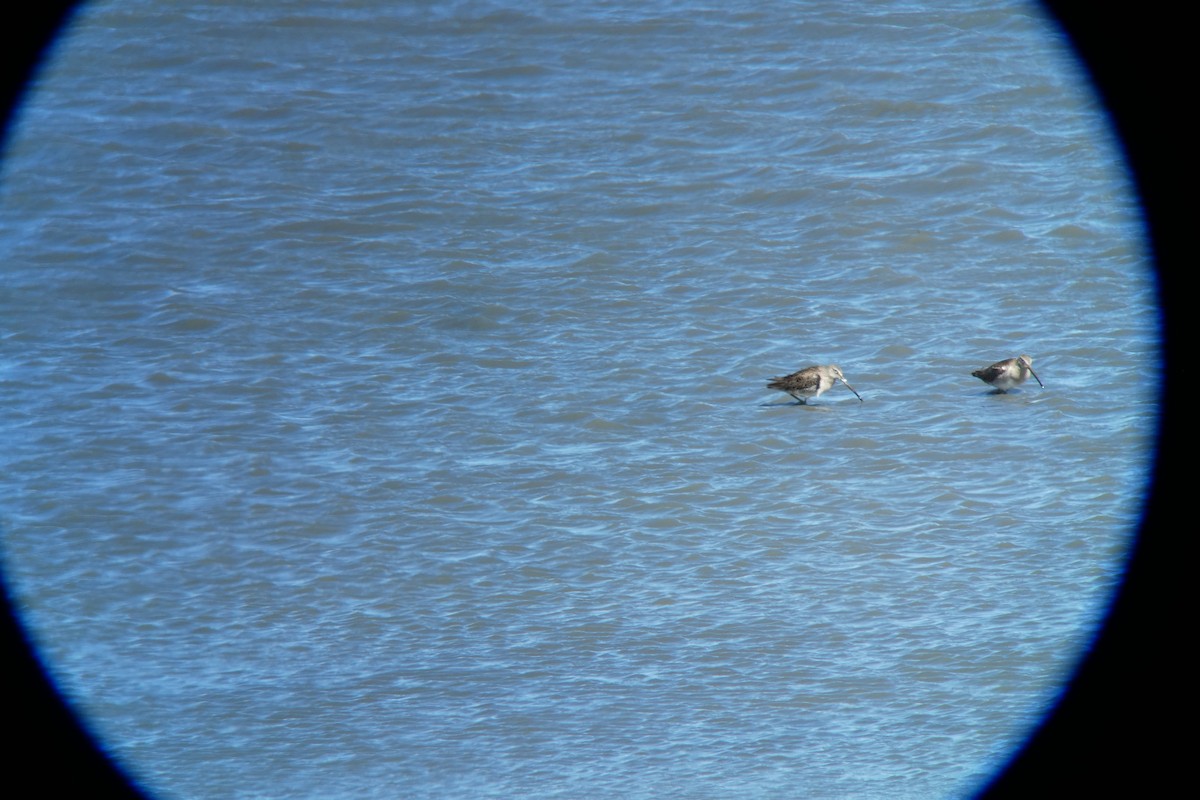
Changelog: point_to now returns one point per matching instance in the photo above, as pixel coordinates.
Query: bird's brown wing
(989, 374)
(796, 382)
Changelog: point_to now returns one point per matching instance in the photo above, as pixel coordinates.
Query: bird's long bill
(1035, 377)
(859, 396)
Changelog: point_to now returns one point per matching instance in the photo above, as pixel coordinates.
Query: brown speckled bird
(1004, 375)
(811, 382)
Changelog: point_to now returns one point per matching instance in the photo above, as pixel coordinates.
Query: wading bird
(811, 382)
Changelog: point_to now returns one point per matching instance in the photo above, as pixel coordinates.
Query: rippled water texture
(387, 408)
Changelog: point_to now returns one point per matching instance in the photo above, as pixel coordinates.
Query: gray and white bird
(811, 382)
(1004, 375)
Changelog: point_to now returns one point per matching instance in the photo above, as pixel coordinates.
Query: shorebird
(1004, 375)
(811, 382)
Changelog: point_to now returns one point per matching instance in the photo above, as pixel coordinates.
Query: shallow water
(386, 387)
